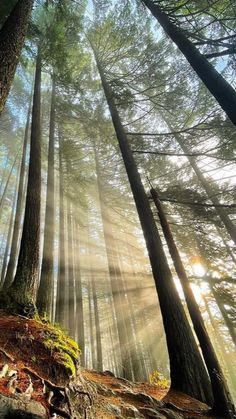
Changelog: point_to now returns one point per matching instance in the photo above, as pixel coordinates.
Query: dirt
(22, 349)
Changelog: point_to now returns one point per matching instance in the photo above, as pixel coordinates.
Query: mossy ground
(41, 346)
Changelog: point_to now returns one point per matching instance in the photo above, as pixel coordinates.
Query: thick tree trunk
(61, 283)
(44, 298)
(216, 84)
(19, 209)
(188, 373)
(24, 288)
(223, 405)
(12, 36)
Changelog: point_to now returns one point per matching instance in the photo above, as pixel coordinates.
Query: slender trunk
(224, 313)
(7, 182)
(4, 171)
(71, 287)
(116, 280)
(12, 36)
(92, 343)
(19, 209)
(79, 296)
(188, 373)
(44, 298)
(61, 283)
(9, 235)
(99, 365)
(230, 227)
(24, 287)
(223, 405)
(216, 84)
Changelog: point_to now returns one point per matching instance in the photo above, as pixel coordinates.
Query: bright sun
(198, 270)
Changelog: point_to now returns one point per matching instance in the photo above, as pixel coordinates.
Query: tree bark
(61, 283)
(188, 373)
(24, 288)
(9, 234)
(216, 84)
(223, 405)
(115, 279)
(44, 298)
(71, 288)
(12, 36)
(19, 209)
(79, 294)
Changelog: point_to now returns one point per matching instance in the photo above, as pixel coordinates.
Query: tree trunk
(61, 283)
(79, 295)
(9, 234)
(216, 84)
(24, 288)
(99, 365)
(223, 405)
(7, 182)
(115, 280)
(188, 373)
(12, 36)
(44, 298)
(230, 227)
(19, 209)
(71, 293)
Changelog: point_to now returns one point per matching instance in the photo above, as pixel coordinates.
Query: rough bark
(19, 210)
(188, 373)
(44, 298)
(223, 405)
(12, 36)
(24, 288)
(216, 84)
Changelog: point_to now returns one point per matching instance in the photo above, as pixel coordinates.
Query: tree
(19, 210)
(12, 36)
(223, 404)
(22, 292)
(183, 352)
(216, 84)
(44, 297)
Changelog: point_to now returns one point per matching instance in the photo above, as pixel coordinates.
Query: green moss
(65, 349)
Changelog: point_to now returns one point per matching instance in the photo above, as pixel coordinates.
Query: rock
(151, 413)
(114, 409)
(131, 412)
(109, 373)
(12, 407)
(171, 414)
(144, 398)
(104, 391)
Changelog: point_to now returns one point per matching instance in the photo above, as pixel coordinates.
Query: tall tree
(216, 84)
(19, 209)
(223, 404)
(23, 290)
(44, 298)
(185, 359)
(12, 36)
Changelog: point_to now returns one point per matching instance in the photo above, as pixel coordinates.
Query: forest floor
(35, 378)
